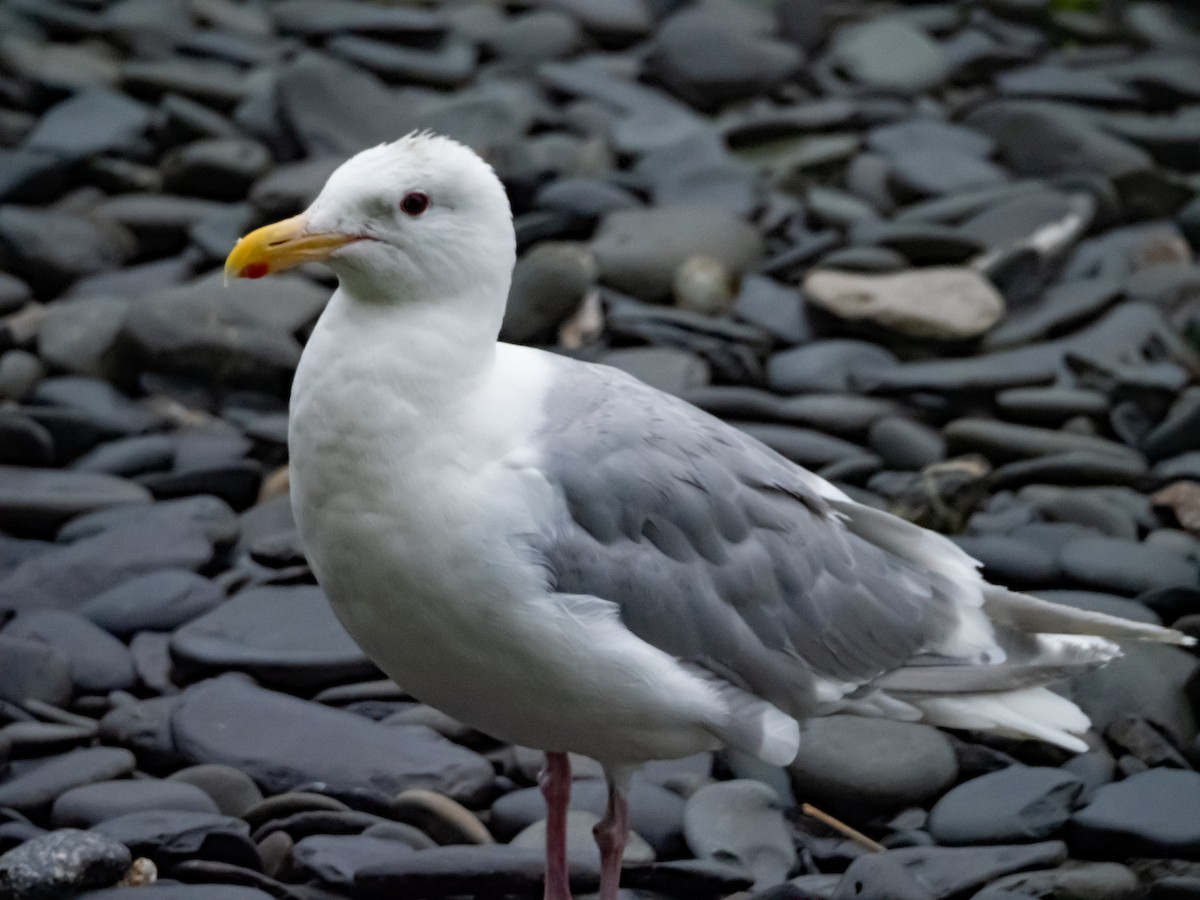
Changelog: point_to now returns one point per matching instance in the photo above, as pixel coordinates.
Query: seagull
(563, 557)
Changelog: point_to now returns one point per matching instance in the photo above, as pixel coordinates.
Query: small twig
(838, 825)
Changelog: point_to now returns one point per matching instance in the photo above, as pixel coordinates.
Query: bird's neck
(429, 354)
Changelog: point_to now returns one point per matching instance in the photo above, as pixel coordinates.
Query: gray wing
(721, 552)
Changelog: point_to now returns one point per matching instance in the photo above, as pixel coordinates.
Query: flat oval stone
(61, 863)
(232, 790)
(37, 501)
(1020, 803)
(84, 806)
(878, 762)
(33, 670)
(1127, 567)
(1152, 813)
(228, 721)
(742, 820)
(98, 662)
(36, 787)
(156, 601)
(176, 835)
(281, 635)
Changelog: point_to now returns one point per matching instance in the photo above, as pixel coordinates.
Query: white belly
(411, 536)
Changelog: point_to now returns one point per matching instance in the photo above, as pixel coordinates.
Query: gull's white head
(422, 217)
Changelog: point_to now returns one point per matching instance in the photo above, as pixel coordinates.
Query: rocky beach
(943, 254)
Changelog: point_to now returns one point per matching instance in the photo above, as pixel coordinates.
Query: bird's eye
(414, 203)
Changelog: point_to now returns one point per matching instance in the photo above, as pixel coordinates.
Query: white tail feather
(1034, 712)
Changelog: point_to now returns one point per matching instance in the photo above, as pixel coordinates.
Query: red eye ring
(414, 203)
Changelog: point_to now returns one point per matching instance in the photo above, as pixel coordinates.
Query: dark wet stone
(330, 17)
(1020, 803)
(35, 788)
(208, 515)
(158, 601)
(30, 176)
(1127, 567)
(45, 738)
(905, 444)
(89, 123)
(62, 863)
(291, 187)
(889, 53)
(169, 836)
(238, 336)
(741, 820)
(1063, 307)
(446, 871)
(49, 249)
(219, 168)
(1095, 881)
(166, 891)
(1051, 405)
(1072, 467)
(939, 171)
(638, 250)
(81, 336)
(877, 762)
(1148, 678)
(1017, 221)
(337, 109)
(1148, 814)
(1056, 82)
(161, 223)
(1141, 740)
(33, 670)
(98, 662)
(84, 806)
(68, 575)
(19, 374)
(144, 726)
(443, 819)
(232, 790)
(934, 873)
(212, 82)
(103, 407)
(708, 63)
(920, 244)
(902, 138)
(1039, 138)
(654, 812)
(1007, 441)
(228, 721)
(281, 635)
(23, 442)
(535, 36)
(128, 456)
(772, 306)
(548, 285)
(615, 23)
(1176, 433)
(1175, 887)
(831, 365)
(14, 293)
(451, 64)
(337, 859)
(1011, 561)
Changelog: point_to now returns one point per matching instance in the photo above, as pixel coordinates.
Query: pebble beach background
(944, 254)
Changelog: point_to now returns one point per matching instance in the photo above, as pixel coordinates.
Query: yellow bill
(279, 246)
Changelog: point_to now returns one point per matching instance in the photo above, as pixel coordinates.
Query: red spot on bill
(255, 270)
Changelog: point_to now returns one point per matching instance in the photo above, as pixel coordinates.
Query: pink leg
(611, 833)
(555, 782)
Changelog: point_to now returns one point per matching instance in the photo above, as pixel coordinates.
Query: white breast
(411, 504)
